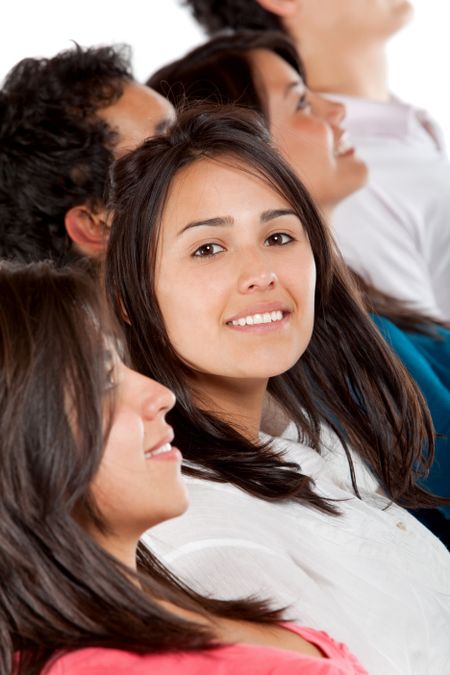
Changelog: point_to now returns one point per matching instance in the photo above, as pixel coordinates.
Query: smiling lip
(163, 449)
(343, 146)
(172, 455)
(260, 318)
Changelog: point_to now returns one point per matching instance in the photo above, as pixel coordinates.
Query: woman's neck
(122, 548)
(235, 401)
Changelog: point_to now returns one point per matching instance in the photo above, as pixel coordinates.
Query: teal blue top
(427, 358)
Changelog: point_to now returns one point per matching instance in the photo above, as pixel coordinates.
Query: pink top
(238, 659)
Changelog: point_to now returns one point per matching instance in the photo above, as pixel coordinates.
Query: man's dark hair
(55, 153)
(215, 15)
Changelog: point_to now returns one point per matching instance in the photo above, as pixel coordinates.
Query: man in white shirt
(396, 231)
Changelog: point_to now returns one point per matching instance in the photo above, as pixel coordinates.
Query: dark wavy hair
(219, 72)
(54, 152)
(347, 377)
(215, 15)
(59, 590)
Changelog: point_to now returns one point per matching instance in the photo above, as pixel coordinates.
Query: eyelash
(279, 234)
(303, 103)
(198, 254)
(200, 251)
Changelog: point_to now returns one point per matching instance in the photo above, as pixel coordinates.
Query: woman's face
(306, 129)
(139, 481)
(235, 274)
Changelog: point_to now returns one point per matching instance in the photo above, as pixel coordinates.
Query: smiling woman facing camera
(86, 466)
(229, 289)
(262, 71)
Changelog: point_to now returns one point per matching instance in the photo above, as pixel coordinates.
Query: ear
(87, 230)
(282, 8)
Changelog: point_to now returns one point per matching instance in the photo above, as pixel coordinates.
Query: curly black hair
(55, 153)
(215, 15)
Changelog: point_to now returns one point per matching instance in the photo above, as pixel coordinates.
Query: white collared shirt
(373, 577)
(396, 231)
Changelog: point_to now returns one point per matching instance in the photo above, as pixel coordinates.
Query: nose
(257, 280)
(331, 112)
(157, 399)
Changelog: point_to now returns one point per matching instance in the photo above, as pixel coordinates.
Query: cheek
(127, 427)
(309, 149)
(302, 281)
(189, 308)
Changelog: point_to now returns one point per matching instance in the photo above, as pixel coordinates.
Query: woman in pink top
(86, 466)
(238, 659)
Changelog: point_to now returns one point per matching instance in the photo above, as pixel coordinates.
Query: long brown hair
(347, 377)
(59, 590)
(219, 71)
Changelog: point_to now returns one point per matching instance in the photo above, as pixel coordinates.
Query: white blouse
(373, 577)
(396, 231)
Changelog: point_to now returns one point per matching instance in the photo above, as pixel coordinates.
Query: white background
(161, 30)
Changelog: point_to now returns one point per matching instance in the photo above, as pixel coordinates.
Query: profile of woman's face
(306, 129)
(235, 274)
(139, 481)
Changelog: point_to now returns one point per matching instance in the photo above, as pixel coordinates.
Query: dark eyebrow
(292, 85)
(266, 216)
(209, 222)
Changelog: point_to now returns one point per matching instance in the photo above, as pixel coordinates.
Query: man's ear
(87, 230)
(282, 8)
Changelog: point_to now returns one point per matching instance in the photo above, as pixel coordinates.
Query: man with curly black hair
(63, 120)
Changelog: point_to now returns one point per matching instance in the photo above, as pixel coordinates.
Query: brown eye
(278, 239)
(208, 250)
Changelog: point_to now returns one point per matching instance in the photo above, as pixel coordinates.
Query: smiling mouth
(259, 319)
(344, 146)
(167, 447)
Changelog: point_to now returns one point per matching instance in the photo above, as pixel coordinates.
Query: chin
(178, 505)
(272, 369)
(355, 180)
(403, 12)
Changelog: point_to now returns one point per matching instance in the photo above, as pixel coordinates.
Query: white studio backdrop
(161, 30)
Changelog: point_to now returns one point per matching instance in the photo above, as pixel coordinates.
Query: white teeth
(159, 451)
(343, 146)
(255, 319)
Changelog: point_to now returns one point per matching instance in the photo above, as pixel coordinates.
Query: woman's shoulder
(238, 659)
(337, 653)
